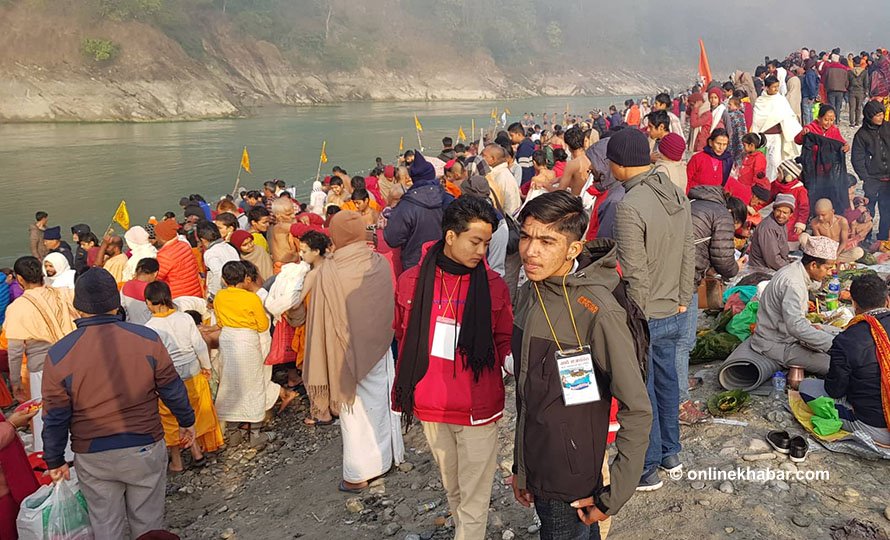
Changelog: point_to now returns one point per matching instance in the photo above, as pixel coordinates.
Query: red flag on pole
(704, 69)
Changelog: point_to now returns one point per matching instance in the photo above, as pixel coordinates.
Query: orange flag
(704, 68)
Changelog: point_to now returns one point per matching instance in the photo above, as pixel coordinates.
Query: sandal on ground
(346, 489)
(312, 421)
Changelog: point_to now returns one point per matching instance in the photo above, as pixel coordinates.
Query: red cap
(389, 171)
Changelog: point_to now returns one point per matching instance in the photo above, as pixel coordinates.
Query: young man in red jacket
(454, 321)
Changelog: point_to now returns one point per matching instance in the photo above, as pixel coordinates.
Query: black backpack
(638, 325)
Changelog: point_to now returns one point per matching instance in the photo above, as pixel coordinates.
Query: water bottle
(834, 291)
(427, 506)
(779, 385)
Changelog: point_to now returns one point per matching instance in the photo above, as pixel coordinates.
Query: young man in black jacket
(860, 363)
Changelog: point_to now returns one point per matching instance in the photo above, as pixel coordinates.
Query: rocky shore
(289, 489)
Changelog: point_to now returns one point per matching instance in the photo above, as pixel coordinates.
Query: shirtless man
(544, 177)
(362, 200)
(828, 224)
(575, 175)
(283, 248)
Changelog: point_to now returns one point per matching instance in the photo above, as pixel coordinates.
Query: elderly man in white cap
(783, 334)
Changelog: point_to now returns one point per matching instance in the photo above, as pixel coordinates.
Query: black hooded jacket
(871, 152)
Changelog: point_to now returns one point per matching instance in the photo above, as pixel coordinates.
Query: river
(80, 172)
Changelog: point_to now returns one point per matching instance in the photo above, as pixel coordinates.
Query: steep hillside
(70, 60)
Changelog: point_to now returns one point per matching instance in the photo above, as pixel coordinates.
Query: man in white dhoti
(774, 117)
(349, 367)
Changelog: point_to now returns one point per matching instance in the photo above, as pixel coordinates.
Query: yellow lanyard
(571, 315)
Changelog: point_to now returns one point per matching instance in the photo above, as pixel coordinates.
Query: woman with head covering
(242, 241)
(706, 122)
(139, 242)
(317, 198)
(58, 272)
(349, 368)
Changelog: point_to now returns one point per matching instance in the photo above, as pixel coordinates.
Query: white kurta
(246, 390)
(372, 434)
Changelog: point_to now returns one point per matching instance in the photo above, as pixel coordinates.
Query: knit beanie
(239, 237)
(167, 230)
(672, 146)
(784, 199)
(421, 170)
(629, 148)
(871, 109)
(95, 292)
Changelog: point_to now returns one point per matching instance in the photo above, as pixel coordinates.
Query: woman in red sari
(17, 479)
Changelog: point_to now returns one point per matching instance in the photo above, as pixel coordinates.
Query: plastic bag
(56, 512)
(741, 325)
(281, 351)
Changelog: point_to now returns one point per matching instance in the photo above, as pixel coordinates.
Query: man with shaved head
(112, 257)
(827, 223)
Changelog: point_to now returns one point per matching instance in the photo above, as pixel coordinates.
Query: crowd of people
(568, 257)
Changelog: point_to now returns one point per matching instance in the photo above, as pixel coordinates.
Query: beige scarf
(261, 259)
(41, 314)
(349, 324)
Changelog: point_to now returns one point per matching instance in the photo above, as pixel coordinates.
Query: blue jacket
(524, 157)
(416, 220)
(5, 299)
(101, 383)
(809, 88)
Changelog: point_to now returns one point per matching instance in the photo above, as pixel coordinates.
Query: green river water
(78, 173)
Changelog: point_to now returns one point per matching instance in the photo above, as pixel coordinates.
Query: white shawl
(772, 110)
(285, 292)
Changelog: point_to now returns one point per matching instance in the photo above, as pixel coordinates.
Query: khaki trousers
(467, 459)
(124, 486)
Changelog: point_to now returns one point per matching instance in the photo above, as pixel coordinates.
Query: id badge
(577, 376)
(445, 338)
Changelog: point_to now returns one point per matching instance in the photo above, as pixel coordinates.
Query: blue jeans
(806, 111)
(685, 346)
(664, 393)
(559, 521)
(836, 100)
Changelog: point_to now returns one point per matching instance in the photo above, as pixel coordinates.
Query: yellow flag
(506, 110)
(245, 160)
(324, 155)
(121, 216)
(460, 134)
(417, 125)
(494, 113)
(401, 144)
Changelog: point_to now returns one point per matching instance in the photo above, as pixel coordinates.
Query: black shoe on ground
(650, 481)
(671, 464)
(799, 448)
(779, 440)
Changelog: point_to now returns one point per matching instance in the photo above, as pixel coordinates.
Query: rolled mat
(745, 369)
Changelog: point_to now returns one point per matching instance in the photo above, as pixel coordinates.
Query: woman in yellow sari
(192, 362)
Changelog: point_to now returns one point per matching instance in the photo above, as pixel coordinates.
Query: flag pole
(238, 177)
(419, 142)
(318, 172)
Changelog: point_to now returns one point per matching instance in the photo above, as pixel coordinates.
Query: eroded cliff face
(44, 76)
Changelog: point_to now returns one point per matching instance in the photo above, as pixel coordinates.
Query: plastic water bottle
(779, 385)
(427, 506)
(834, 291)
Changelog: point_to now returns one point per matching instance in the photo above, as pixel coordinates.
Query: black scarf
(725, 158)
(475, 342)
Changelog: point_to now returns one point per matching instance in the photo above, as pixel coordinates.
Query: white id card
(445, 338)
(577, 376)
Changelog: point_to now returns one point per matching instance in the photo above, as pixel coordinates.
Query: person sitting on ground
(859, 218)
(828, 224)
(769, 242)
(860, 364)
(191, 359)
(783, 334)
(789, 182)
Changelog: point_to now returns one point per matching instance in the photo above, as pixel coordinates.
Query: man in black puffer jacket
(713, 228)
(871, 161)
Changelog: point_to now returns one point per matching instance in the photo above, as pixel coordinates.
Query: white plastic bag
(55, 512)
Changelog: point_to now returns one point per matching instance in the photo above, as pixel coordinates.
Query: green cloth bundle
(826, 420)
